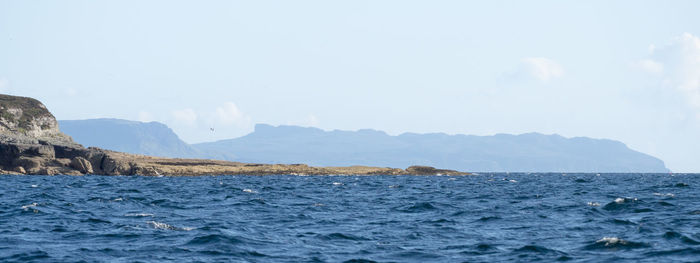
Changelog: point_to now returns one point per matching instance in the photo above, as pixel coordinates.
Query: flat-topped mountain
(530, 152)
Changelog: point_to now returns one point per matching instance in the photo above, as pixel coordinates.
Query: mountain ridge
(527, 152)
(147, 138)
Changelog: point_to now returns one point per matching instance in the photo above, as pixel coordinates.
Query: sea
(488, 217)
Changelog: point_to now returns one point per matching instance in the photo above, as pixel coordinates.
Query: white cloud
(313, 120)
(215, 122)
(650, 66)
(651, 48)
(543, 69)
(186, 116)
(308, 121)
(681, 66)
(229, 113)
(145, 116)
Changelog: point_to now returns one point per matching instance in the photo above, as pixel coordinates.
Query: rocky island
(31, 143)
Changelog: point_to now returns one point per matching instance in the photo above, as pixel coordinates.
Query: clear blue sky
(624, 70)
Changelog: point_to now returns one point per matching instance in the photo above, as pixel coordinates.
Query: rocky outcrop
(31, 143)
(417, 169)
(26, 120)
(82, 165)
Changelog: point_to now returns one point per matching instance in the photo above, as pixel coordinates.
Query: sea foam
(164, 226)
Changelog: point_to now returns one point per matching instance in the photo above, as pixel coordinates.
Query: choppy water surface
(484, 218)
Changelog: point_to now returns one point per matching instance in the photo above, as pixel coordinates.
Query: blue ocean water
(482, 218)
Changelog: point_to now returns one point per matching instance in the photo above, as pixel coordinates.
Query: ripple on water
(417, 207)
(93, 220)
(415, 255)
(678, 236)
(535, 249)
(359, 260)
(489, 218)
(623, 222)
(341, 236)
(684, 253)
(29, 256)
(477, 249)
(215, 239)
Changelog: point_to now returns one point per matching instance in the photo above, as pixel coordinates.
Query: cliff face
(28, 119)
(31, 143)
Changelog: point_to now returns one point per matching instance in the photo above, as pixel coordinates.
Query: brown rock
(28, 163)
(115, 166)
(34, 150)
(62, 162)
(95, 156)
(9, 172)
(81, 164)
(48, 171)
(20, 169)
(69, 171)
(427, 170)
(416, 169)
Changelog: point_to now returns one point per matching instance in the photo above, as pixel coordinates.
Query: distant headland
(31, 143)
(530, 152)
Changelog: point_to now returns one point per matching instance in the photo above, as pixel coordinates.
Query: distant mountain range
(532, 152)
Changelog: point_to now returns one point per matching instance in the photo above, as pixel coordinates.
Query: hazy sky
(624, 70)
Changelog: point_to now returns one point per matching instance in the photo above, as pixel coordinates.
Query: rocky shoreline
(31, 143)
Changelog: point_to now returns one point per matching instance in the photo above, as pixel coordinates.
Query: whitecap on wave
(164, 226)
(249, 191)
(615, 243)
(621, 200)
(611, 241)
(139, 214)
(26, 207)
